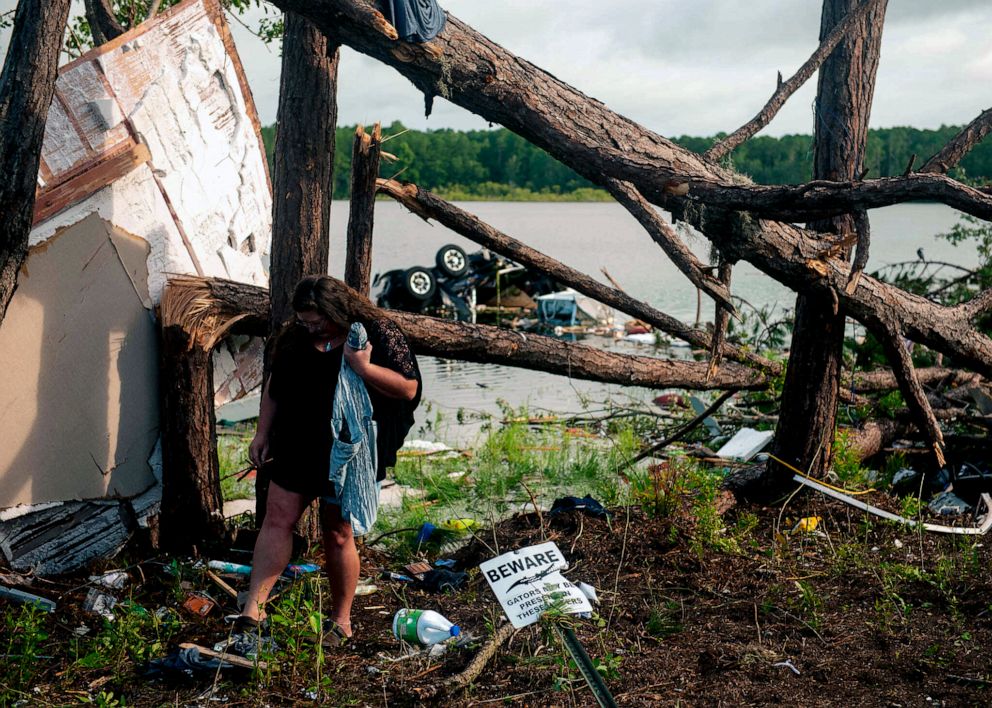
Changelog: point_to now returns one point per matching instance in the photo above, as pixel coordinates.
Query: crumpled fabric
(586, 504)
(353, 453)
(184, 664)
(416, 20)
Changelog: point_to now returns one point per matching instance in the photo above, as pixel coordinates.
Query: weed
(665, 620)
(25, 635)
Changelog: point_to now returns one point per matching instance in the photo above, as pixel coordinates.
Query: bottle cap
(455, 630)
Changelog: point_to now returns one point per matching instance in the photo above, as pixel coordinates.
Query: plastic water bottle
(424, 627)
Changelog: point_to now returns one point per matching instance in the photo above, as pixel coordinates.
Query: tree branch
(863, 227)
(785, 90)
(429, 206)
(666, 237)
(720, 322)
(912, 390)
(821, 199)
(960, 145)
(103, 22)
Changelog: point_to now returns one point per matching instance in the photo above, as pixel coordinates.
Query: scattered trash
(365, 589)
(295, 570)
(233, 659)
(81, 631)
(417, 569)
(424, 627)
(113, 579)
(100, 603)
(441, 580)
(199, 603)
(426, 531)
(223, 585)
(398, 576)
(459, 525)
(948, 504)
(226, 567)
(27, 598)
(788, 664)
(970, 481)
(908, 481)
(589, 591)
(711, 425)
(807, 524)
(586, 504)
(897, 543)
(937, 528)
(445, 563)
(746, 443)
(184, 663)
(527, 581)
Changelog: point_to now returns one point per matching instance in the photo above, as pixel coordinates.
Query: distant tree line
(498, 164)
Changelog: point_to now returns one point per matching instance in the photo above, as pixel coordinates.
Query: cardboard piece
(79, 399)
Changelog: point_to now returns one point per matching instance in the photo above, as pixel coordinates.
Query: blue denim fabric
(353, 453)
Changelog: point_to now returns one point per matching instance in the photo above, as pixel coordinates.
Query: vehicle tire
(452, 261)
(419, 283)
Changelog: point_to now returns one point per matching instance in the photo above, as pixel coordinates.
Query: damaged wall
(152, 165)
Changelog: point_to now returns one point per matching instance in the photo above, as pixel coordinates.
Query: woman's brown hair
(335, 300)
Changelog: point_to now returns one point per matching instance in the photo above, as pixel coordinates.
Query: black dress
(302, 383)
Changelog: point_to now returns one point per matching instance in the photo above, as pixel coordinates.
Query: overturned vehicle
(463, 286)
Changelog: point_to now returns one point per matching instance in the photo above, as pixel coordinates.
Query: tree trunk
(302, 187)
(805, 433)
(27, 85)
(103, 24)
(361, 216)
(192, 511)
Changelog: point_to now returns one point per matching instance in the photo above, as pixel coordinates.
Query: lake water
(588, 237)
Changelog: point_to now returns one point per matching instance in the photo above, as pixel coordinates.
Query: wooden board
(229, 658)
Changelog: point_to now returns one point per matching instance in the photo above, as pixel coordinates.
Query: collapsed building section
(152, 165)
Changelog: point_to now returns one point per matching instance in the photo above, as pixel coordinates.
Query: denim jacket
(353, 453)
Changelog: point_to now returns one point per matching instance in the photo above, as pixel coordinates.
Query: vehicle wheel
(419, 283)
(452, 261)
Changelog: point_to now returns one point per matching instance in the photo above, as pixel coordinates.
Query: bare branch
(785, 90)
(666, 237)
(720, 322)
(863, 227)
(884, 380)
(822, 199)
(916, 398)
(960, 145)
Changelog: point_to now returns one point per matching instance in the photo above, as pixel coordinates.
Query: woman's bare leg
(274, 546)
(342, 564)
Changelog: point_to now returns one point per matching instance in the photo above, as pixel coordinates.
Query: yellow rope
(820, 481)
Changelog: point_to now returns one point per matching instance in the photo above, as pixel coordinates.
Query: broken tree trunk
(361, 215)
(428, 205)
(192, 511)
(223, 303)
(805, 434)
(302, 187)
(27, 85)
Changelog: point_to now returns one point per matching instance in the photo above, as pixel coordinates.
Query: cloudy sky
(678, 67)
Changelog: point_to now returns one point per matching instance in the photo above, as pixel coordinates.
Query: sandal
(332, 635)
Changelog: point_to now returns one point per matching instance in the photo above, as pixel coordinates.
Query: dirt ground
(862, 613)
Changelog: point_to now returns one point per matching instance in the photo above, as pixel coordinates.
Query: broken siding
(174, 84)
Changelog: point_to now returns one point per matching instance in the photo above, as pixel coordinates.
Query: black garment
(416, 20)
(302, 384)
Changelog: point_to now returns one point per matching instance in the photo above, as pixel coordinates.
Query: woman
(293, 438)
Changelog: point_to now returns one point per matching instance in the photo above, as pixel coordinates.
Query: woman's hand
(358, 359)
(258, 451)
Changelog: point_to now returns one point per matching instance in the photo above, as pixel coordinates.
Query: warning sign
(528, 581)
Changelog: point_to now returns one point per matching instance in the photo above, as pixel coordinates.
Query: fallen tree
(472, 71)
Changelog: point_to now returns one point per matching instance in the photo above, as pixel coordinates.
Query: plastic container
(424, 627)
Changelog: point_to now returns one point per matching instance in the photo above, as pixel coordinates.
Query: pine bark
(303, 184)
(27, 85)
(192, 511)
(361, 214)
(805, 433)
